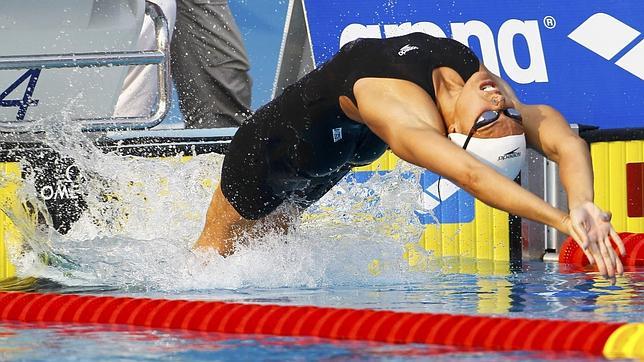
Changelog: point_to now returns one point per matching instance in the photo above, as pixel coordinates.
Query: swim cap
(505, 154)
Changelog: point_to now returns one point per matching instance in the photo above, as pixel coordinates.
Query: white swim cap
(505, 154)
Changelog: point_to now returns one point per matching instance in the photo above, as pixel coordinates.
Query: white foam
(144, 215)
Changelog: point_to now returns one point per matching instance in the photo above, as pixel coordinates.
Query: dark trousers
(210, 65)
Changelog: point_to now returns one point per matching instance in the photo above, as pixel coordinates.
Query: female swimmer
(431, 102)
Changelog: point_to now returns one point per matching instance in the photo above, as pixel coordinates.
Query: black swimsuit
(300, 144)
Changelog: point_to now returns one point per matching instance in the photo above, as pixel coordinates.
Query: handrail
(81, 60)
(160, 56)
(144, 143)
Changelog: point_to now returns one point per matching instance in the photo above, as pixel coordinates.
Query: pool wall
(9, 236)
(619, 184)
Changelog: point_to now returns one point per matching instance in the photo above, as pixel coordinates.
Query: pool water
(22, 342)
(535, 290)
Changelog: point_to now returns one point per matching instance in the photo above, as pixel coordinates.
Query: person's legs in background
(210, 65)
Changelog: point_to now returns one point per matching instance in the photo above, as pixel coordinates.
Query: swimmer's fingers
(617, 263)
(619, 267)
(578, 227)
(608, 256)
(582, 235)
(578, 240)
(599, 260)
(589, 255)
(618, 241)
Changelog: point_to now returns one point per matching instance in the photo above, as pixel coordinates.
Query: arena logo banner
(584, 58)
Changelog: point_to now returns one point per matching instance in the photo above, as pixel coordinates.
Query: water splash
(143, 215)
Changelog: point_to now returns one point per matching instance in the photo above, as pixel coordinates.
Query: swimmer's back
(301, 143)
(410, 57)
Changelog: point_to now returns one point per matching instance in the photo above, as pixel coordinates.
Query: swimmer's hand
(591, 228)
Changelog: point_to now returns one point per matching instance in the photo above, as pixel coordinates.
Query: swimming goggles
(488, 117)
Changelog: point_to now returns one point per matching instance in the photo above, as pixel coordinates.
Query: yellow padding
(486, 237)
(386, 162)
(626, 342)
(609, 167)
(9, 235)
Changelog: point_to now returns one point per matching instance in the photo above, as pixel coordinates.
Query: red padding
(493, 333)
(635, 189)
(572, 254)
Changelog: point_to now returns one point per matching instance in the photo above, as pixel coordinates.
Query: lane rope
(482, 332)
(574, 256)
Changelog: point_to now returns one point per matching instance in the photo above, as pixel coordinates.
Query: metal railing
(160, 56)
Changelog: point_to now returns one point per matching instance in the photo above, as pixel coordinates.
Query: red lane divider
(493, 333)
(572, 254)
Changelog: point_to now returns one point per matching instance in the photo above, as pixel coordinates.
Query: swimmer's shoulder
(418, 38)
(375, 47)
(434, 41)
(378, 45)
(447, 49)
(358, 44)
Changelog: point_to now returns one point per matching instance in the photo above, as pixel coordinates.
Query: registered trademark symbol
(549, 22)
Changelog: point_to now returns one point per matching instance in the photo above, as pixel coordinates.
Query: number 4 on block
(23, 104)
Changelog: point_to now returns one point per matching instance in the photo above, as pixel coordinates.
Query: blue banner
(585, 58)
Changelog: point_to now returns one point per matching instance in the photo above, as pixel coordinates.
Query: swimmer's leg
(223, 226)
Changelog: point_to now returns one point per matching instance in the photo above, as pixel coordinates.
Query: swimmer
(433, 104)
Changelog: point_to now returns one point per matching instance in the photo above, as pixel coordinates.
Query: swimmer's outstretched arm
(404, 116)
(548, 132)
